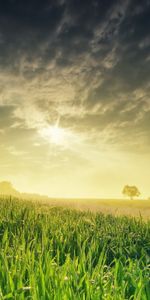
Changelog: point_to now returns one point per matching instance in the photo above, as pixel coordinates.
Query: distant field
(53, 253)
(133, 208)
(116, 207)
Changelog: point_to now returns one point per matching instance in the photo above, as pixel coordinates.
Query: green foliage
(131, 191)
(62, 254)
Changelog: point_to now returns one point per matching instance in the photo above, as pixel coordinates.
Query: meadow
(117, 207)
(49, 252)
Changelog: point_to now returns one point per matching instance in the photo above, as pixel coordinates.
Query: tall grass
(62, 254)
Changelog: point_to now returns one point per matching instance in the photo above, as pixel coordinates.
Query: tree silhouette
(6, 188)
(131, 191)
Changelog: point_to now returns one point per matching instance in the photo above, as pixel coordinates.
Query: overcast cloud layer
(86, 65)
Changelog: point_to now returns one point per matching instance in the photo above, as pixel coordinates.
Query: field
(58, 253)
(119, 207)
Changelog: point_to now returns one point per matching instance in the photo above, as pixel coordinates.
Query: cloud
(6, 116)
(82, 62)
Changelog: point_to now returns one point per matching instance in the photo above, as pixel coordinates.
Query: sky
(75, 96)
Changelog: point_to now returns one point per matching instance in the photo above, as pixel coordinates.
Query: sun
(54, 134)
(57, 134)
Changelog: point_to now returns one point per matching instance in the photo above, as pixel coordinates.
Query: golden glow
(63, 162)
(54, 134)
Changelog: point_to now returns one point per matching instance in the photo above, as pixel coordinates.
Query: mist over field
(126, 207)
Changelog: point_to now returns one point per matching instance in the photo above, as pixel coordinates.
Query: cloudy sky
(75, 96)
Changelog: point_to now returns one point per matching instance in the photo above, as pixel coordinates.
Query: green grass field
(48, 252)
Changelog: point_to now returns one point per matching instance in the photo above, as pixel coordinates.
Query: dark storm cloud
(25, 26)
(44, 28)
(132, 53)
(134, 32)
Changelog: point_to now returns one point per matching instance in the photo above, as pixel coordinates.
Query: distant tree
(6, 188)
(131, 191)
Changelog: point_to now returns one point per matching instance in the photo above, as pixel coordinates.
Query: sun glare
(59, 136)
(54, 134)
